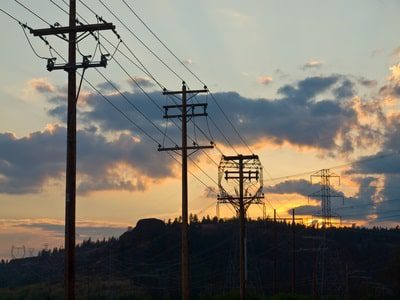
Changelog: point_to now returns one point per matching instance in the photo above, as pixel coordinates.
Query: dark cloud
(144, 82)
(41, 85)
(108, 86)
(27, 163)
(300, 186)
(367, 82)
(349, 208)
(345, 90)
(385, 165)
(299, 116)
(314, 112)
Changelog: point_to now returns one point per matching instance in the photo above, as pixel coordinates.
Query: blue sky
(287, 63)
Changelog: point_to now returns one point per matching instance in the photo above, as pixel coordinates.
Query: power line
(135, 81)
(162, 43)
(360, 161)
(214, 123)
(140, 40)
(189, 70)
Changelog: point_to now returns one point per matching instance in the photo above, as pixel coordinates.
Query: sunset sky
(308, 84)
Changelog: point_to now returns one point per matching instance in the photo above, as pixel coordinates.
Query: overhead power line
(125, 116)
(189, 70)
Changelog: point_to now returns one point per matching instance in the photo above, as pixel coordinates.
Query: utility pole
(70, 205)
(293, 253)
(274, 290)
(185, 111)
(245, 169)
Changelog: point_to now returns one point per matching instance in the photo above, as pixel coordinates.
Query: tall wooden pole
(184, 114)
(274, 290)
(293, 253)
(185, 243)
(71, 159)
(242, 220)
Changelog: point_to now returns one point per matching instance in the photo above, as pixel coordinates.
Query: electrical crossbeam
(247, 175)
(67, 29)
(85, 29)
(190, 112)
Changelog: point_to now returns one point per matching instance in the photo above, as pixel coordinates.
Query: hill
(143, 263)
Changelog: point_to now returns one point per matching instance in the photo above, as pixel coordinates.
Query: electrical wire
(140, 40)
(189, 70)
(147, 95)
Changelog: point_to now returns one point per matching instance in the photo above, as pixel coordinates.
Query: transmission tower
(328, 277)
(76, 33)
(326, 192)
(245, 172)
(185, 112)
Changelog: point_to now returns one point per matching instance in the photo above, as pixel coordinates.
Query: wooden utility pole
(70, 188)
(242, 220)
(245, 168)
(70, 184)
(293, 252)
(274, 290)
(183, 115)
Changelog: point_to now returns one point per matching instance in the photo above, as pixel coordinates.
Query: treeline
(145, 260)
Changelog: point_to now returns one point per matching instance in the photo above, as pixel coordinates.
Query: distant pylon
(325, 194)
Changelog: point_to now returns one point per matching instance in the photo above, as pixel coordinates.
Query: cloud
(107, 86)
(187, 61)
(312, 64)
(143, 81)
(113, 153)
(300, 186)
(265, 80)
(123, 163)
(360, 206)
(41, 85)
(320, 106)
(367, 82)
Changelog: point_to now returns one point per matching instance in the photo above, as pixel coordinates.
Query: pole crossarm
(190, 112)
(68, 29)
(177, 148)
(166, 92)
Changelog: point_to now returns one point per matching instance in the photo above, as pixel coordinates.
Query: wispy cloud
(187, 61)
(265, 80)
(312, 64)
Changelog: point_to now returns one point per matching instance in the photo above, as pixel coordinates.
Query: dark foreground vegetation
(143, 263)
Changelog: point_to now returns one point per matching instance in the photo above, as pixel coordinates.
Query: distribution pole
(242, 220)
(293, 253)
(184, 241)
(245, 168)
(183, 115)
(70, 187)
(70, 68)
(274, 290)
